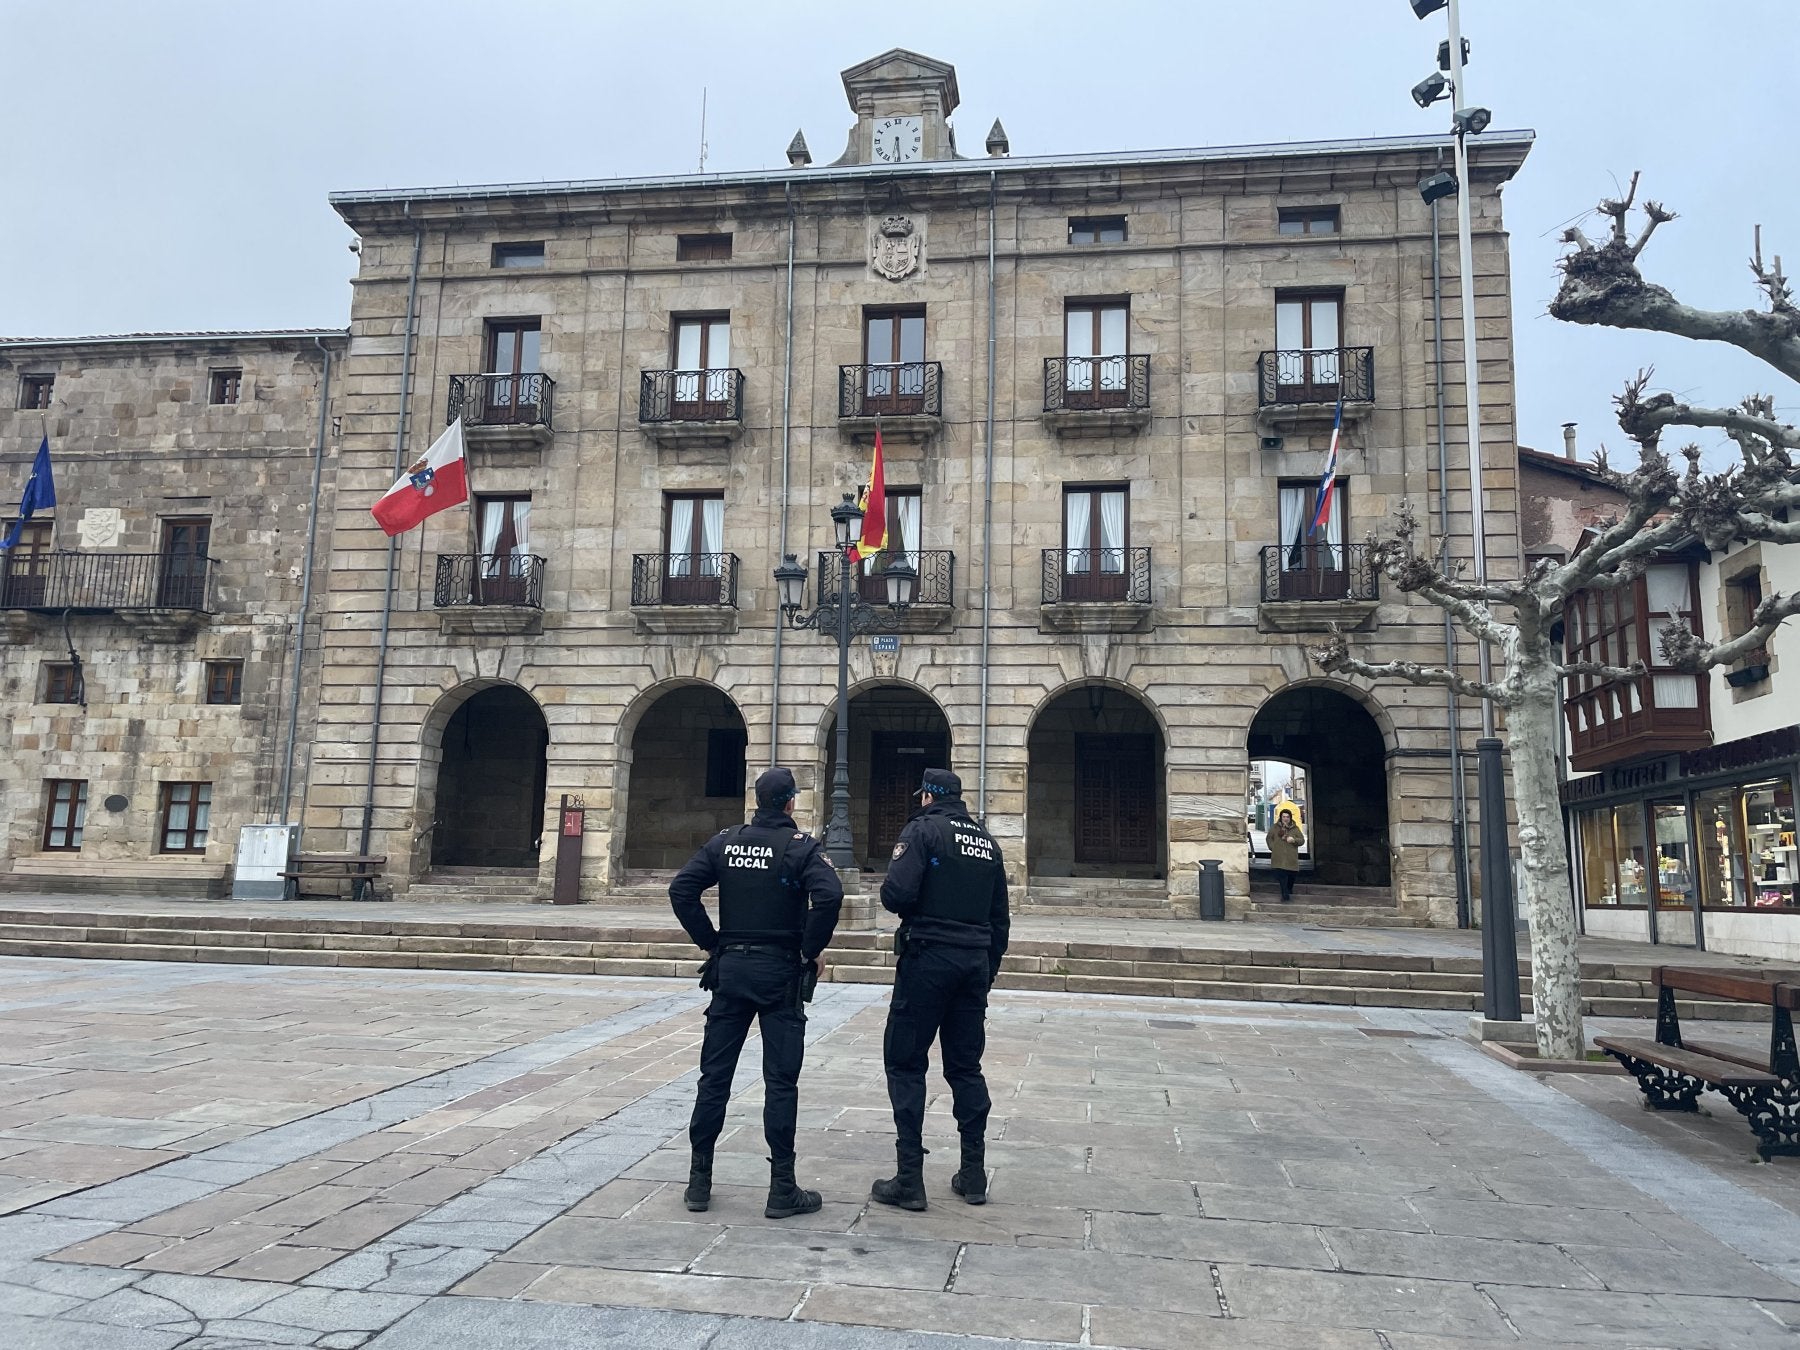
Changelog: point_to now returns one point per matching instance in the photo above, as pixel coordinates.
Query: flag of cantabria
(437, 481)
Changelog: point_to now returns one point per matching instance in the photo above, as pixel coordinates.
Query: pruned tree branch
(1601, 670)
(1335, 659)
(1683, 650)
(1643, 419)
(1773, 283)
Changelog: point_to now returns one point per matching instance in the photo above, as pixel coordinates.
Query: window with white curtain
(695, 523)
(504, 527)
(1669, 589)
(1095, 334)
(1094, 529)
(702, 355)
(1301, 549)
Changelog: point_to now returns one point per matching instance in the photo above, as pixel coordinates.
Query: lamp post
(1499, 948)
(844, 615)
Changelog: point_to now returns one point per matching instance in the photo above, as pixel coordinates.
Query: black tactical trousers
(939, 992)
(761, 984)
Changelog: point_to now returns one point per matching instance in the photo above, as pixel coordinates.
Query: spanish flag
(874, 505)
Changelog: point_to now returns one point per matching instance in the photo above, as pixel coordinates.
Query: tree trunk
(1543, 848)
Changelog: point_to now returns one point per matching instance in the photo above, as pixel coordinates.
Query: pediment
(900, 67)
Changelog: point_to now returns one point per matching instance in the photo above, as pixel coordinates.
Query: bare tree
(1668, 502)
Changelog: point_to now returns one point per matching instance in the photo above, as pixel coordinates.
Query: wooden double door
(1115, 798)
(897, 764)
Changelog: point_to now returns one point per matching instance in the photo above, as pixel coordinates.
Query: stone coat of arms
(896, 248)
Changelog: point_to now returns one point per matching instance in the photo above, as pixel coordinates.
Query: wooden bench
(1672, 1072)
(362, 872)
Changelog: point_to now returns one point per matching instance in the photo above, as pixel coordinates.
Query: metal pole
(1499, 966)
(987, 520)
(838, 845)
(787, 428)
(306, 586)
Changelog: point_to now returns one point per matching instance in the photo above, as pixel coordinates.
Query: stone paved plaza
(228, 1156)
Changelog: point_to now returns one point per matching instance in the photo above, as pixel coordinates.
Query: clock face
(899, 139)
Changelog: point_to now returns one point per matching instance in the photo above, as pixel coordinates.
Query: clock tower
(903, 103)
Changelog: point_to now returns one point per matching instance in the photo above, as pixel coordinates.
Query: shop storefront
(1695, 849)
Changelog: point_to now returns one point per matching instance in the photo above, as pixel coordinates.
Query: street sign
(885, 644)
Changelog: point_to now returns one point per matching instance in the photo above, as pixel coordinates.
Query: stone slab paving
(253, 1156)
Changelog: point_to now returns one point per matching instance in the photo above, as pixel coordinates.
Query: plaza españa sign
(885, 644)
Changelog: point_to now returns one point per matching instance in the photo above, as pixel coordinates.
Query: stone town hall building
(1105, 385)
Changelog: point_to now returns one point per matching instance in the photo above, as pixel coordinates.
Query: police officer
(767, 939)
(947, 883)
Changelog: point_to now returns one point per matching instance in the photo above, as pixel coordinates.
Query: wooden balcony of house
(1317, 588)
(493, 594)
(1657, 713)
(905, 399)
(1096, 396)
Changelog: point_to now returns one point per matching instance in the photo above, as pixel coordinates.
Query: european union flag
(39, 494)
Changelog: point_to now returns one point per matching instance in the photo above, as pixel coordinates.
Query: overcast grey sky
(168, 160)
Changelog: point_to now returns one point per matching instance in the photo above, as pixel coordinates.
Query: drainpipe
(1459, 805)
(987, 516)
(387, 599)
(306, 583)
(787, 426)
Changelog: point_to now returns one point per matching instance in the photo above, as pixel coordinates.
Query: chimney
(1569, 451)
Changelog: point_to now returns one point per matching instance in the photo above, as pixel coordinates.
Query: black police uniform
(947, 883)
(765, 872)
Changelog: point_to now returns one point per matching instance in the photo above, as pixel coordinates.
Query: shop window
(1747, 854)
(1675, 879)
(1614, 859)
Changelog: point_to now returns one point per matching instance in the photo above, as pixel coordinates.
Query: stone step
(1319, 892)
(1334, 916)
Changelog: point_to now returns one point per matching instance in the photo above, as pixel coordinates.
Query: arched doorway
(1340, 756)
(687, 776)
(489, 807)
(896, 733)
(1096, 801)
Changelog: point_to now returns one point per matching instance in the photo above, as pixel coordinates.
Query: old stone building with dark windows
(1105, 385)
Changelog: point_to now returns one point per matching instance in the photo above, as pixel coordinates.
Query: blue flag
(39, 494)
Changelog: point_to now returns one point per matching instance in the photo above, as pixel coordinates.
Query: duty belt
(793, 951)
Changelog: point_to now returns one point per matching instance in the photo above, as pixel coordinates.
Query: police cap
(776, 788)
(940, 783)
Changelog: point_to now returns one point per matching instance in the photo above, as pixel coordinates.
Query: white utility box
(263, 854)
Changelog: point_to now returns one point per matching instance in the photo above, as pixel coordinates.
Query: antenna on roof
(702, 129)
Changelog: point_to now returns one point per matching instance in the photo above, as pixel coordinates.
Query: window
(61, 683)
(181, 578)
(503, 569)
(1096, 336)
(1307, 220)
(903, 524)
(65, 813)
(224, 386)
(34, 390)
(702, 248)
(1096, 534)
(1308, 337)
(519, 255)
(893, 362)
(725, 747)
(27, 567)
(694, 535)
(513, 346)
(1313, 562)
(1746, 837)
(186, 809)
(702, 363)
(1097, 229)
(1614, 857)
(1743, 595)
(224, 681)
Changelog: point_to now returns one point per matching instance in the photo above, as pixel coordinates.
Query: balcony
(1316, 588)
(1653, 714)
(934, 597)
(1086, 396)
(1300, 389)
(905, 399)
(503, 412)
(496, 594)
(692, 409)
(166, 595)
(685, 592)
(1101, 590)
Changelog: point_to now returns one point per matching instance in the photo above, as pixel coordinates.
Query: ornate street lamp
(844, 614)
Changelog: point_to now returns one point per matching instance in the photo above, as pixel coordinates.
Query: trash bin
(1212, 888)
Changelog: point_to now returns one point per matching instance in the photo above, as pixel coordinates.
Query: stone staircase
(658, 948)
(1331, 906)
(476, 885)
(1100, 898)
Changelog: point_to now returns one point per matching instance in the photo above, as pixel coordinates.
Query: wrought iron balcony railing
(1077, 575)
(501, 400)
(489, 579)
(691, 396)
(936, 584)
(905, 389)
(107, 581)
(1320, 376)
(1092, 383)
(684, 579)
(1319, 572)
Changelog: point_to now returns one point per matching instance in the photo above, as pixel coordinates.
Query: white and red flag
(438, 480)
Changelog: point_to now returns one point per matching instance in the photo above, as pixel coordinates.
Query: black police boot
(970, 1181)
(785, 1198)
(699, 1188)
(906, 1188)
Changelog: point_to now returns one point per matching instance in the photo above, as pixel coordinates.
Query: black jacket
(805, 862)
(906, 878)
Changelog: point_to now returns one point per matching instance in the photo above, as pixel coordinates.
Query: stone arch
(897, 730)
(682, 756)
(1097, 783)
(483, 761)
(1340, 738)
